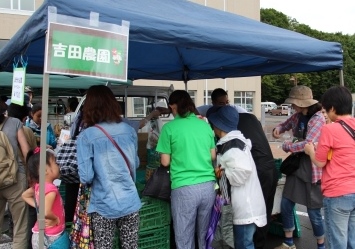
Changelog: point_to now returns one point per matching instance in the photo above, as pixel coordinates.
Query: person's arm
(144, 121)
(236, 166)
(48, 213)
(85, 159)
(165, 160)
(309, 150)
(314, 126)
(21, 138)
(285, 126)
(28, 196)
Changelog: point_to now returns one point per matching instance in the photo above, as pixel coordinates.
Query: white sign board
(18, 86)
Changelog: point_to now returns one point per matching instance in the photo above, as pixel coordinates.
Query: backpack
(8, 162)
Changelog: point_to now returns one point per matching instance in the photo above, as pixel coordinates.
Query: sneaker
(285, 246)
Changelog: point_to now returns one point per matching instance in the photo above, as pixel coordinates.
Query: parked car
(279, 110)
(268, 106)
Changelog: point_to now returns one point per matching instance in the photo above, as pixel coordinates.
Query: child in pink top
(54, 210)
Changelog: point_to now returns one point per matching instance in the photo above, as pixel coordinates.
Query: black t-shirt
(251, 128)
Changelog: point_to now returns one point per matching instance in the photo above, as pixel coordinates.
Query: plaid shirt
(313, 132)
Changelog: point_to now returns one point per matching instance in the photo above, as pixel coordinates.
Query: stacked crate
(155, 219)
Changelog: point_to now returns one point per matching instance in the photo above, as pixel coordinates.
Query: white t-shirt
(204, 108)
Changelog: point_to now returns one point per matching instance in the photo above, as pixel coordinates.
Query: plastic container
(153, 214)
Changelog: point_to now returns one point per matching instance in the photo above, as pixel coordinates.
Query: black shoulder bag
(348, 129)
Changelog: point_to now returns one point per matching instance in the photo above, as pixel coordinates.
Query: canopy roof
(181, 40)
(59, 85)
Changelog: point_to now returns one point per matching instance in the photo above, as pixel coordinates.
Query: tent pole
(341, 76)
(42, 165)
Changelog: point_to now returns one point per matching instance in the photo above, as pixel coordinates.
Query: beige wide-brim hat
(301, 96)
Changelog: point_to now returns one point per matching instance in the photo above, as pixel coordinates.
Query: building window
(244, 99)
(192, 95)
(25, 5)
(209, 100)
(139, 107)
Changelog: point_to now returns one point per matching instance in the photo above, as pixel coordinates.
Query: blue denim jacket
(101, 165)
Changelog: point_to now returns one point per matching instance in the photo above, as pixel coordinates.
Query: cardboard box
(142, 148)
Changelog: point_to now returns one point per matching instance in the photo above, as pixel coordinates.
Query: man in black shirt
(251, 128)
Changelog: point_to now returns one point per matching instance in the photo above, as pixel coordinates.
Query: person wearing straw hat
(303, 185)
(235, 159)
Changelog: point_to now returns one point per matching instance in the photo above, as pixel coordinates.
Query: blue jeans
(288, 218)
(243, 236)
(339, 216)
(191, 208)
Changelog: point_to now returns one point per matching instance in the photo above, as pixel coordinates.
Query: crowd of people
(232, 144)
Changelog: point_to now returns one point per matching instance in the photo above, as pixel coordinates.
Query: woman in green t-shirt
(187, 145)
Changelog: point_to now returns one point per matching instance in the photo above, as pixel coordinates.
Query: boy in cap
(235, 159)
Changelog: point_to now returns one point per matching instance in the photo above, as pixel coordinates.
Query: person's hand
(51, 222)
(309, 148)
(276, 133)
(218, 171)
(154, 114)
(163, 110)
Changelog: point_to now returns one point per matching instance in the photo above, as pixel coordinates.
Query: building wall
(12, 20)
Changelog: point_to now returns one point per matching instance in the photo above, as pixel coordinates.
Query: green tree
(276, 87)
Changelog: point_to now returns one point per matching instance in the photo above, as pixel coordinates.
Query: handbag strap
(348, 129)
(117, 147)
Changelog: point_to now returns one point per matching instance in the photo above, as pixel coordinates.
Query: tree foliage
(276, 87)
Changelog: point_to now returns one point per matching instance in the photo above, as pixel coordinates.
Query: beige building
(244, 91)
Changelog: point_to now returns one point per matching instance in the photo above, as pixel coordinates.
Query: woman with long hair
(114, 200)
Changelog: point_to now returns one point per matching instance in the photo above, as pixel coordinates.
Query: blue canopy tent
(181, 40)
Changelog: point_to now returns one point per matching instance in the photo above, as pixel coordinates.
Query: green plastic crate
(158, 238)
(155, 238)
(153, 214)
(278, 162)
(277, 229)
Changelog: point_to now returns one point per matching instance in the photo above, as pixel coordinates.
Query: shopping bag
(67, 162)
(291, 163)
(221, 221)
(159, 185)
(81, 236)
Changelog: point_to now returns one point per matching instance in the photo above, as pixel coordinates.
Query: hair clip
(36, 150)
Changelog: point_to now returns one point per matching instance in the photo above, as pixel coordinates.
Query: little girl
(54, 210)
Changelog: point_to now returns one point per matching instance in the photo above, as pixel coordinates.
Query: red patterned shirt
(313, 132)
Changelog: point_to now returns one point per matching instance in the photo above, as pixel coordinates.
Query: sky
(322, 15)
